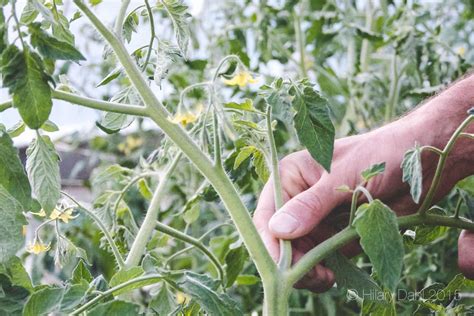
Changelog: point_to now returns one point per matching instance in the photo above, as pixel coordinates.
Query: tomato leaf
(377, 227)
(113, 122)
(44, 301)
(12, 298)
(17, 274)
(11, 225)
(125, 275)
(192, 213)
(244, 153)
(114, 308)
(312, 123)
(42, 165)
(247, 105)
(50, 47)
(3, 32)
(81, 273)
(260, 165)
(412, 172)
(373, 171)
(164, 302)
(178, 13)
(235, 260)
(24, 75)
(203, 290)
(13, 178)
(349, 276)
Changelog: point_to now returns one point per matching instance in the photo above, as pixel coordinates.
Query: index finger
(264, 211)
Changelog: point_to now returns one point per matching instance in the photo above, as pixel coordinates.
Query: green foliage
(13, 297)
(349, 276)
(412, 172)
(25, 77)
(113, 122)
(178, 13)
(235, 261)
(373, 171)
(51, 47)
(44, 301)
(203, 290)
(377, 227)
(43, 171)
(114, 308)
(12, 221)
(313, 124)
(13, 178)
(3, 33)
(164, 302)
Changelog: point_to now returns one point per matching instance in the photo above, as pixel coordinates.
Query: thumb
(305, 211)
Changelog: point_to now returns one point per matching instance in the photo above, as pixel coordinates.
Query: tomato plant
(220, 126)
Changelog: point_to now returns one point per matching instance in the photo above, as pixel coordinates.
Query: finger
(263, 213)
(306, 210)
(466, 254)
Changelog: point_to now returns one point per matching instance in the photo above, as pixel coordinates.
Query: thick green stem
(116, 107)
(120, 18)
(276, 294)
(104, 230)
(441, 162)
(217, 177)
(192, 241)
(285, 245)
(146, 229)
(110, 291)
(321, 251)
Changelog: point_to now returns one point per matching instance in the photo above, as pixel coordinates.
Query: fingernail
(283, 223)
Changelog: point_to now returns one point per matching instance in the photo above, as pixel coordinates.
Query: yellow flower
(185, 118)
(37, 247)
(65, 215)
(41, 213)
(181, 298)
(241, 79)
(461, 51)
(24, 229)
(131, 143)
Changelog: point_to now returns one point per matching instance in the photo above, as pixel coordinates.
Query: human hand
(313, 208)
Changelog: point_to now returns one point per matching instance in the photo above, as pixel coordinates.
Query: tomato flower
(241, 79)
(131, 144)
(37, 247)
(188, 117)
(65, 215)
(182, 298)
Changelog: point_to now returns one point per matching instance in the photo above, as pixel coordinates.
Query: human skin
(314, 210)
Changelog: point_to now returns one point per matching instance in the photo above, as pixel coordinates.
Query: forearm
(441, 116)
(431, 124)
